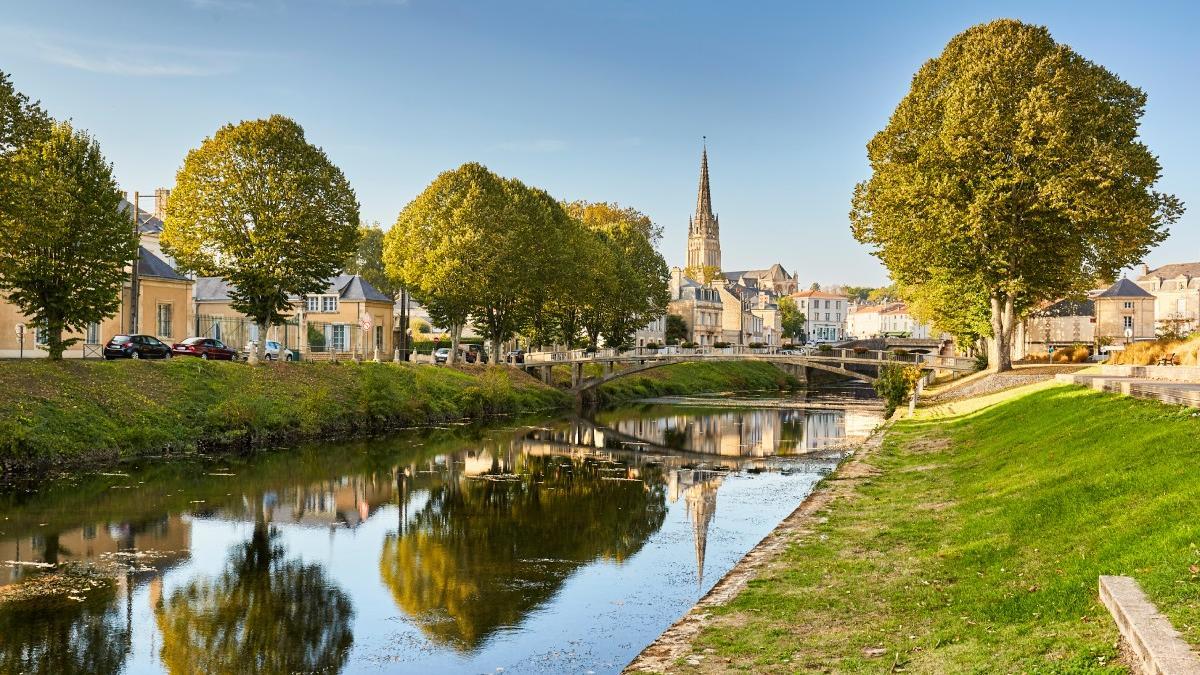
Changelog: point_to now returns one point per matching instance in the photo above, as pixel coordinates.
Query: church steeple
(704, 245)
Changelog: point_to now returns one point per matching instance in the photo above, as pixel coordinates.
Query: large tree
(261, 207)
(440, 240)
(66, 241)
(1011, 172)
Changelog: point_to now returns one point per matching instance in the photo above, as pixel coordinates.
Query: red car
(205, 348)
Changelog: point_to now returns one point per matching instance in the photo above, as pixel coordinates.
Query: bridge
(610, 365)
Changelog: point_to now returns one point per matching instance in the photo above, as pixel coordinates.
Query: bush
(757, 345)
(688, 345)
(1148, 353)
(981, 361)
(895, 385)
(652, 345)
(720, 345)
(824, 348)
(861, 350)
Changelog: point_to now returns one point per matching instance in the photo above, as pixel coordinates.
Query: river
(542, 545)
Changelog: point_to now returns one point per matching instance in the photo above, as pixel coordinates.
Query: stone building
(700, 307)
(1176, 290)
(1124, 313)
(1056, 324)
(824, 314)
(774, 280)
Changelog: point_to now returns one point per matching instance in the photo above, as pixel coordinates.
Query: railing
(855, 355)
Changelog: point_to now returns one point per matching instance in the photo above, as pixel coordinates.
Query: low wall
(1168, 373)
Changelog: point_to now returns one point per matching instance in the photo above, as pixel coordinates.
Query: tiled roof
(150, 265)
(1067, 307)
(1124, 288)
(819, 294)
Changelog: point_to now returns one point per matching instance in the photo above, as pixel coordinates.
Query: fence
(237, 332)
(345, 341)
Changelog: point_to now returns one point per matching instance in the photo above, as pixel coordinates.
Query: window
(1128, 321)
(329, 303)
(826, 304)
(312, 303)
(839, 316)
(335, 337)
(1128, 305)
(164, 319)
(93, 334)
(379, 337)
(41, 334)
(827, 313)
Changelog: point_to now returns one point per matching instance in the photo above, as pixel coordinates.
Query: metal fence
(237, 332)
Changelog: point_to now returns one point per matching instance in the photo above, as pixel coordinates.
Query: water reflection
(265, 613)
(470, 531)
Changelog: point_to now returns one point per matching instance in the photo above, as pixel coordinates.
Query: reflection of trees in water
(481, 554)
(62, 636)
(263, 614)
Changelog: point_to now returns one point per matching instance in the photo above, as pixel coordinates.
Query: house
(864, 321)
(775, 280)
(1124, 313)
(1062, 323)
(330, 322)
(700, 307)
(824, 313)
(654, 332)
(1176, 291)
(739, 325)
(896, 321)
(163, 307)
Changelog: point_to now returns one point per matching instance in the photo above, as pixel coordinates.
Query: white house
(825, 314)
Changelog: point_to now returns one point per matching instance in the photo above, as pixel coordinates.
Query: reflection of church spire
(701, 501)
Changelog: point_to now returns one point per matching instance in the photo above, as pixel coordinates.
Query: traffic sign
(366, 322)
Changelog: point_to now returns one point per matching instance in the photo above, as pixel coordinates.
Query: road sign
(366, 322)
(20, 330)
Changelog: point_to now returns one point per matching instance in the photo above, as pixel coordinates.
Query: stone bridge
(860, 364)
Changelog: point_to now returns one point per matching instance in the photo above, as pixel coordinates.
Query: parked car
(136, 347)
(272, 351)
(515, 356)
(441, 355)
(473, 353)
(209, 349)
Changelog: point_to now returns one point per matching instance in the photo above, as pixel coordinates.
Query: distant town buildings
(825, 314)
(1176, 290)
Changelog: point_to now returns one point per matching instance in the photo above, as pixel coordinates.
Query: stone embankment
(982, 384)
(1178, 385)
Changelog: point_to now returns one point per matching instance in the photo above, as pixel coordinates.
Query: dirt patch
(927, 445)
(674, 646)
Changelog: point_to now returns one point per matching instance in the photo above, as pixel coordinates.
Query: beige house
(1176, 291)
(1124, 313)
(350, 318)
(164, 303)
(1056, 324)
(700, 307)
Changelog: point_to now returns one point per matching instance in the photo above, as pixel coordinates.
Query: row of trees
(474, 246)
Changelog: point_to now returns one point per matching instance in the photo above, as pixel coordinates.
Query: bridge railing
(831, 354)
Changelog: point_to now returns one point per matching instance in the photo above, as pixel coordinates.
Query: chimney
(160, 203)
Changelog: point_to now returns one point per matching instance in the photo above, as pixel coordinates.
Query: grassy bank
(680, 379)
(976, 544)
(75, 411)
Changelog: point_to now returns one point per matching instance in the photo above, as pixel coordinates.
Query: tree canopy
(259, 206)
(1009, 174)
(367, 260)
(791, 319)
(67, 242)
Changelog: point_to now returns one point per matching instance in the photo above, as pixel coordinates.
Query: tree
(676, 329)
(815, 286)
(1011, 172)
(791, 319)
(705, 274)
(261, 207)
(367, 260)
(437, 245)
(637, 290)
(858, 293)
(67, 242)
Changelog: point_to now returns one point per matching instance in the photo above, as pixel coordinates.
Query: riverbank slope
(77, 412)
(972, 540)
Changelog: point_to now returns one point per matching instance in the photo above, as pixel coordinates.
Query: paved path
(988, 383)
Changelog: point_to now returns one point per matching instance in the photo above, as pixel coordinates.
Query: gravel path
(1018, 377)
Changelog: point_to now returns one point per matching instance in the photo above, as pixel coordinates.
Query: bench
(1168, 360)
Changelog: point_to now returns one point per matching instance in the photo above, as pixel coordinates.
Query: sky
(604, 101)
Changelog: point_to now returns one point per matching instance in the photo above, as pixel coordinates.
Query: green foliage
(367, 261)
(66, 242)
(679, 379)
(1009, 174)
(71, 411)
(22, 121)
(791, 319)
(676, 329)
(259, 206)
(895, 384)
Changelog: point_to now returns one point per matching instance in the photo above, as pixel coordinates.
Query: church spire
(704, 245)
(704, 210)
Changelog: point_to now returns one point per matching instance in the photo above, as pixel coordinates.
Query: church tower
(704, 243)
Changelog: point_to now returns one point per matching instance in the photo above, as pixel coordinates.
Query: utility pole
(134, 285)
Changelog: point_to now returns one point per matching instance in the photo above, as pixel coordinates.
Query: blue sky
(589, 100)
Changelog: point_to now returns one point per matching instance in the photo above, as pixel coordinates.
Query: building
(774, 280)
(654, 333)
(896, 321)
(1063, 323)
(700, 307)
(824, 314)
(162, 308)
(1176, 290)
(864, 321)
(331, 322)
(1124, 313)
(704, 243)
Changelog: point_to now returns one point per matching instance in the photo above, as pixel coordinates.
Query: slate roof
(150, 265)
(1067, 307)
(147, 223)
(351, 287)
(1173, 271)
(1124, 288)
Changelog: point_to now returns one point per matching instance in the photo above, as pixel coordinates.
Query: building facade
(1176, 291)
(824, 315)
(699, 306)
(1125, 313)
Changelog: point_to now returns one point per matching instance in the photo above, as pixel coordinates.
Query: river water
(540, 545)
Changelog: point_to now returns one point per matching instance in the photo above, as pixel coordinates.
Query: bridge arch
(590, 384)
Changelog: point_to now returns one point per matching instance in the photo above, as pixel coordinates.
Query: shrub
(824, 348)
(688, 345)
(895, 385)
(861, 350)
(720, 345)
(1148, 353)
(652, 345)
(757, 345)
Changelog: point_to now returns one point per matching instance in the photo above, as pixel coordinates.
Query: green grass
(679, 379)
(978, 545)
(75, 411)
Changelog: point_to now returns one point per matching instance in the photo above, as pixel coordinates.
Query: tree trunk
(260, 345)
(1000, 346)
(54, 341)
(455, 335)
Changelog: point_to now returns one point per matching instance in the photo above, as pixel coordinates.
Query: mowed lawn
(977, 544)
